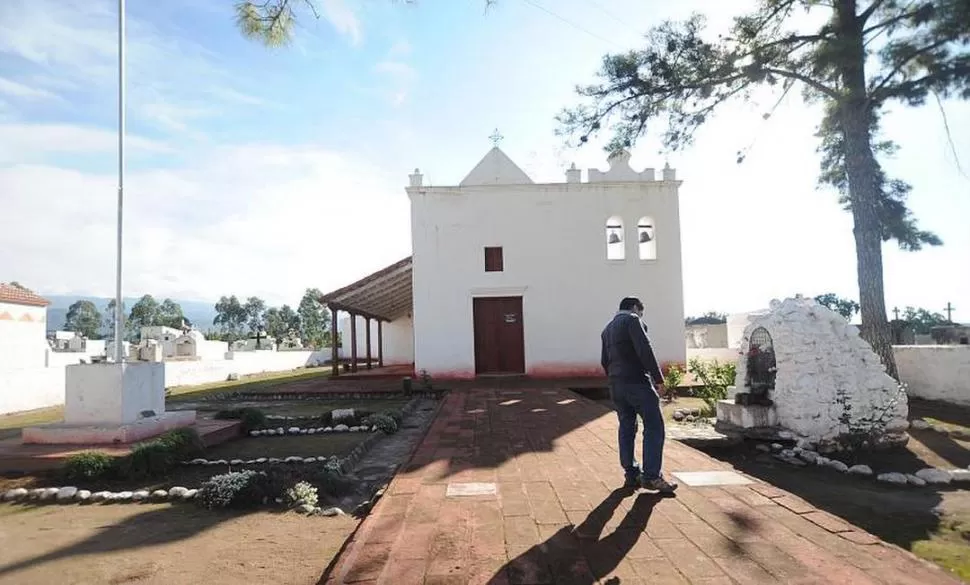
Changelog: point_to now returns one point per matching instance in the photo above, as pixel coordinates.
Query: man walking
(635, 384)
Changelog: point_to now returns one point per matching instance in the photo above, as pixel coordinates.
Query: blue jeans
(632, 400)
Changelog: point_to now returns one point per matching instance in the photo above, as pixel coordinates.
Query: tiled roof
(18, 296)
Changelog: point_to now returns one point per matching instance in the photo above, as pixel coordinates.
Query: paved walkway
(557, 515)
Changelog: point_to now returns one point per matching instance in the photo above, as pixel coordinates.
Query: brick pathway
(559, 517)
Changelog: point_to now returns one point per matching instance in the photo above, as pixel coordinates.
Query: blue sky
(250, 169)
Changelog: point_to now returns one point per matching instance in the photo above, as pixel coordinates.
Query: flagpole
(119, 307)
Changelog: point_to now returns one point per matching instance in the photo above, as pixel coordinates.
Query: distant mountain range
(200, 313)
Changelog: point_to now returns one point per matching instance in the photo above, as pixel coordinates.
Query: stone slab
(457, 490)
(746, 416)
(72, 434)
(711, 478)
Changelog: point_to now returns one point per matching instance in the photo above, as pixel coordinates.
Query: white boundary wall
(32, 388)
(935, 372)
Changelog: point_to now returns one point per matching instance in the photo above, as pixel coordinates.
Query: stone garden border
(178, 494)
(321, 396)
(803, 455)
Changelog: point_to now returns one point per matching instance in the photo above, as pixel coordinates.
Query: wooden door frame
(498, 294)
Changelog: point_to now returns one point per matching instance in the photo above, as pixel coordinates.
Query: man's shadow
(577, 555)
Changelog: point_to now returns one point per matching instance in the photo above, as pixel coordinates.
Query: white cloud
(342, 18)
(72, 46)
(19, 90)
(26, 142)
(258, 219)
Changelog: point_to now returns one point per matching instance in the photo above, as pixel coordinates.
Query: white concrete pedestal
(111, 403)
(749, 416)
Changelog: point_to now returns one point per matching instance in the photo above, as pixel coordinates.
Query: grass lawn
(254, 383)
(319, 445)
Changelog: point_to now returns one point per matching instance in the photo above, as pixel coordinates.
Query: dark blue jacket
(627, 356)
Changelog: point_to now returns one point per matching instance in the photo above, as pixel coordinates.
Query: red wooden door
(499, 335)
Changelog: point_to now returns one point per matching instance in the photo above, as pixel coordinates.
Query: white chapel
(512, 277)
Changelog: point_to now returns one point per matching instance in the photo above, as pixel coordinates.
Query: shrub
(384, 422)
(332, 482)
(396, 414)
(88, 465)
(302, 493)
(673, 376)
(159, 456)
(184, 442)
(715, 378)
(252, 418)
(236, 489)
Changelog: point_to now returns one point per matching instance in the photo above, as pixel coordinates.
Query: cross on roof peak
(496, 137)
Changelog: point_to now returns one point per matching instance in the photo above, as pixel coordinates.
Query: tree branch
(828, 91)
(899, 17)
(869, 11)
(899, 66)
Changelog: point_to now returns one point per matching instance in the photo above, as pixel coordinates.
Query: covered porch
(384, 299)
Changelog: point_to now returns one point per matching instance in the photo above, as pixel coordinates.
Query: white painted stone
(328, 429)
(340, 414)
(914, 480)
(893, 477)
(14, 495)
(935, 476)
(960, 475)
(341, 428)
(66, 494)
(261, 460)
(125, 496)
(100, 496)
(838, 466)
(190, 494)
(177, 492)
(920, 425)
(863, 470)
(159, 495)
(293, 459)
(897, 425)
(236, 462)
(309, 459)
(293, 430)
(140, 495)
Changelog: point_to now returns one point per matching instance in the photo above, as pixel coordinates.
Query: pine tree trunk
(863, 177)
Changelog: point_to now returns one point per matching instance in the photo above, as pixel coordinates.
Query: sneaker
(658, 485)
(631, 482)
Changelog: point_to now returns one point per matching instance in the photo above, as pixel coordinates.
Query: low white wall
(935, 372)
(721, 354)
(27, 389)
(242, 363)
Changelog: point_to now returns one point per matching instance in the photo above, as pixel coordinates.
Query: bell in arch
(614, 238)
(644, 234)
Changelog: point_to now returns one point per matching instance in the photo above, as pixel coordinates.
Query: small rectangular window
(493, 259)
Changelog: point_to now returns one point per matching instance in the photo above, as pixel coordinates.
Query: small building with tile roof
(23, 328)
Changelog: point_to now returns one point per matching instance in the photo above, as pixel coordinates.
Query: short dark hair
(630, 304)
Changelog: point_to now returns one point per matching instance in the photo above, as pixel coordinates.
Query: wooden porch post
(367, 337)
(353, 342)
(334, 351)
(380, 344)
